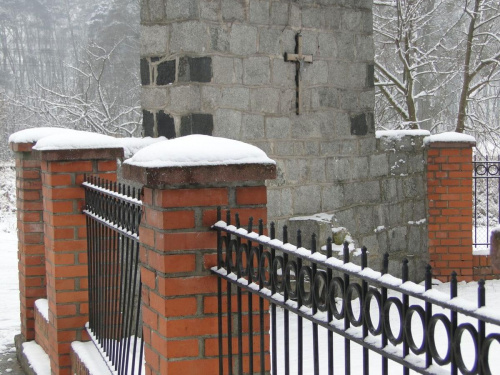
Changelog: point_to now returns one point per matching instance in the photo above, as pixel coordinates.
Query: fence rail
(352, 301)
(113, 214)
(486, 200)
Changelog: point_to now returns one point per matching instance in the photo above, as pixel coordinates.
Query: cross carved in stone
(299, 59)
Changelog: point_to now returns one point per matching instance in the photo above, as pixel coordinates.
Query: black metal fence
(115, 324)
(385, 320)
(486, 201)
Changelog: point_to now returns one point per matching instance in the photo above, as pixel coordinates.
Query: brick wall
(178, 248)
(31, 250)
(449, 195)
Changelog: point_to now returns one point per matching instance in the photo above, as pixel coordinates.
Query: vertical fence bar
(286, 317)
(364, 289)
(314, 309)
(481, 301)
(406, 300)
(261, 306)
(454, 321)
(238, 298)
(347, 342)
(228, 301)
(300, 342)
(274, 346)
(329, 254)
(219, 294)
(250, 302)
(385, 269)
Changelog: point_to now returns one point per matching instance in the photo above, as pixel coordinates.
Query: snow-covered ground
(9, 308)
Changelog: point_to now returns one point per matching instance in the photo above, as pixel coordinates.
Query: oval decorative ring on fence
(393, 301)
(412, 310)
(493, 170)
(244, 268)
(485, 351)
(266, 269)
(373, 293)
(458, 351)
(431, 330)
(320, 292)
(254, 274)
(277, 278)
(290, 275)
(356, 322)
(230, 254)
(305, 277)
(336, 285)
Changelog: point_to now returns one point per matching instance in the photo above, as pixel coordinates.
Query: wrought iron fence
(364, 307)
(113, 214)
(486, 201)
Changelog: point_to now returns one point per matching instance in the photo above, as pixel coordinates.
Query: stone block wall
(218, 68)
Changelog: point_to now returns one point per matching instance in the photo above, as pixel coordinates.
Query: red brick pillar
(31, 250)
(66, 243)
(178, 248)
(449, 196)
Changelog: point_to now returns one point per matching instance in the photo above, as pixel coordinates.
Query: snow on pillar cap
(198, 159)
(35, 134)
(450, 139)
(198, 150)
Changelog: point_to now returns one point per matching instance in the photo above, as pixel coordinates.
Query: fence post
(31, 250)
(178, 248)
(66, 243)
(449, 197)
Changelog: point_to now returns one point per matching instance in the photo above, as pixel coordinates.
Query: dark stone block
(359, 125)
(197, 123)
(166, 73)
(370, 75)
(166, 125)
(148, 124)
(195, 69)
(145, 72)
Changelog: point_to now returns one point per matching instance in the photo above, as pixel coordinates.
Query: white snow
(133, 145)
(91, 357)
(322, 217)
(76, 140)
(37, 358)
(42, 305)
(35, 134)
(449, 137)
(398, 134)
(195, 150)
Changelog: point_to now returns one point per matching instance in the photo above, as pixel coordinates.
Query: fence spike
(273, 231)
(285, 234)
(405, 270)
(346, 252)
(228, 217)
(481, 293)
(428, 277)
(385, 264)
(250, 224)
(313, 243)
(261, 227)
(237, 220)
(364, 257)
(299, 238)
(453, 285)
(329, 251)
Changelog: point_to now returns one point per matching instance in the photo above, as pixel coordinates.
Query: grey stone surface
(227, 123)
(270, 41)
(264, 100)
(219, 39)
(154, 98)
(235, 97)
(154, 40)
(181, 9)
(256, 71)
(189, 36)
(243, 39)
(277, 127)
(332, 197)
(209, 10)
(363, 192)
(279, 13)
(283, 73)
(306, 199)
(185, 98)
(397, 239)
(233, 10)
(259, 11)
(210, 98)
(223, 70)
(315, 73)
(327, 45)
(156, 10)
(253, 127)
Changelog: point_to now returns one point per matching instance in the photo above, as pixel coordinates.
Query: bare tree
(434, 59)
